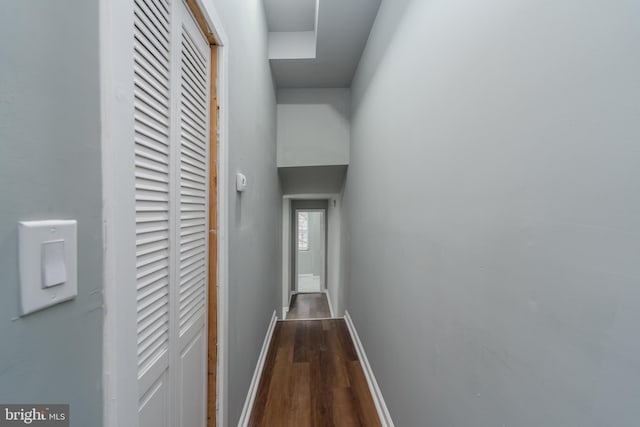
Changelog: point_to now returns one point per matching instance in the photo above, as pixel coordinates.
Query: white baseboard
(378, 399)
(255, 381)
(326, 291)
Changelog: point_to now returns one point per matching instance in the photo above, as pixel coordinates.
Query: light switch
(54, 266)
(241, 182)
(48, 263)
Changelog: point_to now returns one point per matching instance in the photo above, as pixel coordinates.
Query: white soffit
(340, 29)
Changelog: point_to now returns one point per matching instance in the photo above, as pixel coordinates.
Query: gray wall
(313, 127)
(494, 204)
(50, 168)
(254, 216)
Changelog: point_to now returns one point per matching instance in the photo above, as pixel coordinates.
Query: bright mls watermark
(34, 415)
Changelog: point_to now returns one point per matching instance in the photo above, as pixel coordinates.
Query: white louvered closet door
(171, 121)
(192, 225)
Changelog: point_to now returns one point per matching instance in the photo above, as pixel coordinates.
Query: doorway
(310, 259)
(172, 154)
(165, 180)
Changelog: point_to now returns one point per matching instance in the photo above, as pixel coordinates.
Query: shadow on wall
(337, 100)
(312, 179)
(238, 201)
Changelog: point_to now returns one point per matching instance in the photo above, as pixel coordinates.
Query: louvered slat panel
(193, 184)
(151, 148)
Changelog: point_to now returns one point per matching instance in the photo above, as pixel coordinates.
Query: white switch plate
(48, 263)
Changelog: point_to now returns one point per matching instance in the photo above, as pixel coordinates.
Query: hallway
(456, 184)
(313, 377)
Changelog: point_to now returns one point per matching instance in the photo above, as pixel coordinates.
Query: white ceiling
(291, 15)
(343, 30)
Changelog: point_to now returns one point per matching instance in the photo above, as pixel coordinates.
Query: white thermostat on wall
(48, 263)
(241, 182)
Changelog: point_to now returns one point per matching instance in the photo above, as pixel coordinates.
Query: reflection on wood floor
(309, 306)
(312, 377)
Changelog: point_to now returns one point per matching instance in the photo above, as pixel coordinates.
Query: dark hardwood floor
(309, 306)
(312, 377)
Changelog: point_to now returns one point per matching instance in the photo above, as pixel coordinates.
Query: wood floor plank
(339, 372)
(364, 402)
(265, 381)
(313, 378)
(301, 411)
(279, 398)
(345, 412)
(348, 349)
(302, 350)
(309, 306)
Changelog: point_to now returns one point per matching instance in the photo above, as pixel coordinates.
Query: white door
(171, 109)
(193, 225)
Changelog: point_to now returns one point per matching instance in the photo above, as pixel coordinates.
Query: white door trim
(222, 380)
(120, 341)
(323, 233)
(214, 22)
(119, 337)
(288, 246)
(286, 256)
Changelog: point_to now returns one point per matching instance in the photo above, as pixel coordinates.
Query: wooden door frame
(213, 392)
(120, 360)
